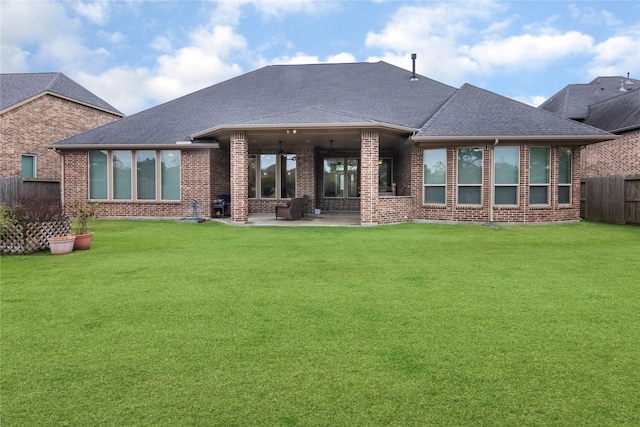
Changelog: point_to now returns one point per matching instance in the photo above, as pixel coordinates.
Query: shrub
(8, 218)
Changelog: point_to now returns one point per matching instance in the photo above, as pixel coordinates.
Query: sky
(138, 54)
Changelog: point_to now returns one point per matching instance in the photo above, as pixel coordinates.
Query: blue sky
(137, 54)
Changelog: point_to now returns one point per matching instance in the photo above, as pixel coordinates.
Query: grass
(166, 323)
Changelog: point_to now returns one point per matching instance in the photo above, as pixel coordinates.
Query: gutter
(178, 145)
(306, 126)
(569, 139)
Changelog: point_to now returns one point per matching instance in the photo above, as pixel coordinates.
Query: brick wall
(369, 155)
(195, 182)
(27, 129)
(523, 213)
(613, 158)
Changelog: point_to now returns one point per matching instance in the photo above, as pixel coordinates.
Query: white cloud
(341, 58)
(527, 50)
(13, 59)
(616, 56)
(97, 12)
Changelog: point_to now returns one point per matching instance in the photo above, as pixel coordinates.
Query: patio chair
(292, 210)
(305, 202)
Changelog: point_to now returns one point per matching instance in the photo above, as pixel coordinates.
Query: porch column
(369, 155)
(239, 152)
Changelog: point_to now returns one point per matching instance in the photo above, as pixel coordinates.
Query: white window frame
(458, 185)
(34, 160)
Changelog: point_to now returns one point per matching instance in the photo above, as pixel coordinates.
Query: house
(37, 109)
(366, 137)
(610, 169)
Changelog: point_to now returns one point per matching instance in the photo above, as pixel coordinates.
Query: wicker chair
(292, 210)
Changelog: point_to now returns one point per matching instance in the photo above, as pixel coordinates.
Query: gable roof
(618, 114)
(16, 89)
(573, 100)
(476, 113)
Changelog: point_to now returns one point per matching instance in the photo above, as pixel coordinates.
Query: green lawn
(169, 324)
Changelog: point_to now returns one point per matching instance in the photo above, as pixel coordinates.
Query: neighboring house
(344, 134)
(610, 169)
(37, 109)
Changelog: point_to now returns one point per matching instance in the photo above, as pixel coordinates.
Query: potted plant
(82, 211)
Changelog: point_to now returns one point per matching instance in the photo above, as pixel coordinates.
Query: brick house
(609, 168)
(37, 109)
(365, 137)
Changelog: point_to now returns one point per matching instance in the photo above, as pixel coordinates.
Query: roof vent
(414, 77)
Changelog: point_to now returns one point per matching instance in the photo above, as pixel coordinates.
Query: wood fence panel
(614, 199)
(632, 200)
(11, 188)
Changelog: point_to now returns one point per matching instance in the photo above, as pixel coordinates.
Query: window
(539, 165)
(341, 177)
(469, 176)
(272, 176)
(252, 165)
(434, 175)
(98, 175)
(288, 176)
(564, 176)
(28, 166)
(111, 175)
(506, 167)
(122, 174)
(385, 174)
(146, 174)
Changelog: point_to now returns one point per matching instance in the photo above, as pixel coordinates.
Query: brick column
(369, 154)
(239, 178)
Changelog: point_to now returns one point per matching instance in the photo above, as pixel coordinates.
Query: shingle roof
(317, 93)
(616, 114)
(332, 94)
(17, 88)
(475, 112)
(573, 100)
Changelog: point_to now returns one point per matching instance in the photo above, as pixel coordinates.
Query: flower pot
(60, 245)
(83, 241)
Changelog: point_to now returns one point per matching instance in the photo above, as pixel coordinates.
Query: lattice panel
(18, 241)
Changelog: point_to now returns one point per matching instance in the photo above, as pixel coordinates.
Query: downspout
(493, 180)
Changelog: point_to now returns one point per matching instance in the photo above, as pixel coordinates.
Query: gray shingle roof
(317, 93)
(333, 94)
(475, 112)
(16, 88)
(573, 100)
(616, 114)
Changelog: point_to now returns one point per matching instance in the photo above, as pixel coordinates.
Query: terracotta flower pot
(60, 245)
(83, 241)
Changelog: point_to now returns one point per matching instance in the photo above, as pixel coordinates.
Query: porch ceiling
(322, 139)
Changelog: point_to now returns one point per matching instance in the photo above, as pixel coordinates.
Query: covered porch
(363, 173)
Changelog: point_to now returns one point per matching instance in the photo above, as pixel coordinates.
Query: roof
(573, 100)
(16, 89)
(330, 96)
(478, 113)
(280, 95)
(618, 114)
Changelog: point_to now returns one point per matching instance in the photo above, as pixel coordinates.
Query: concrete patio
(325, 219)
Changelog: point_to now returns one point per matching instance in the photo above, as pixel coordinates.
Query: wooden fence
(614, 199)
(13, 187)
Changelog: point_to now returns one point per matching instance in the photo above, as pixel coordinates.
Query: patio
(325, 219)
